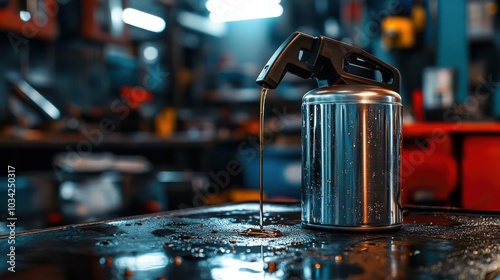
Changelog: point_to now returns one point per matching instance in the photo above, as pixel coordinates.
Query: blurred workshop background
(111, 108)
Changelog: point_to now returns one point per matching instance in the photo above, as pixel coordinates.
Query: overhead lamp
(143, 20)
(32, 97)
(224, 11)
(201, 24)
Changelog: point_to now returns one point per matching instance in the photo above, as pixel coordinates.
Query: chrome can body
(351, 157)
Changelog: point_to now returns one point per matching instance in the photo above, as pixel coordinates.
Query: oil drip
(261, 232)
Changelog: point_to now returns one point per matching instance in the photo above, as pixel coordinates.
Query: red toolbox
(481, 173)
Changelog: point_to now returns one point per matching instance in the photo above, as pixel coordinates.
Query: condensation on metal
(351, 148)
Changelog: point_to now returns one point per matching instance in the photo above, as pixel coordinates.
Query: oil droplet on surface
(272, 267)
(106, 261)
(105, 243)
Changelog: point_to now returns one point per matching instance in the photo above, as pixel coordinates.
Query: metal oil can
(351, 133)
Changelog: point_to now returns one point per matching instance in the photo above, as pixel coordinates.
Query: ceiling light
(201, 24)
(143, 20)
(223, 11)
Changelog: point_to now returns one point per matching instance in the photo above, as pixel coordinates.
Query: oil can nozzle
(329, 61)
(286, 59)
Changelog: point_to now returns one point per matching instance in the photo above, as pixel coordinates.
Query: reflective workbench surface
(204, 243)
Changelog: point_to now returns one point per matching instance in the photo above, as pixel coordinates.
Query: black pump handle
(286, 59)
(327, 60)
(342, 55)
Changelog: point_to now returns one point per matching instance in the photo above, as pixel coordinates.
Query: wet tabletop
(203, 243)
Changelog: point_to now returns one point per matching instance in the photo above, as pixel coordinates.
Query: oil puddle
(262, 232)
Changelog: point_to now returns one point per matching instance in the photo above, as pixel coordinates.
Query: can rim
(355, 94)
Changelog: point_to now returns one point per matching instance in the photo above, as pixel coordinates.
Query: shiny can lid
(364, 94)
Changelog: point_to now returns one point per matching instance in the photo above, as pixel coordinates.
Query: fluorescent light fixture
(25, 15)
(34, 96)
(201, 24)
(143, 20)
(223, 10)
